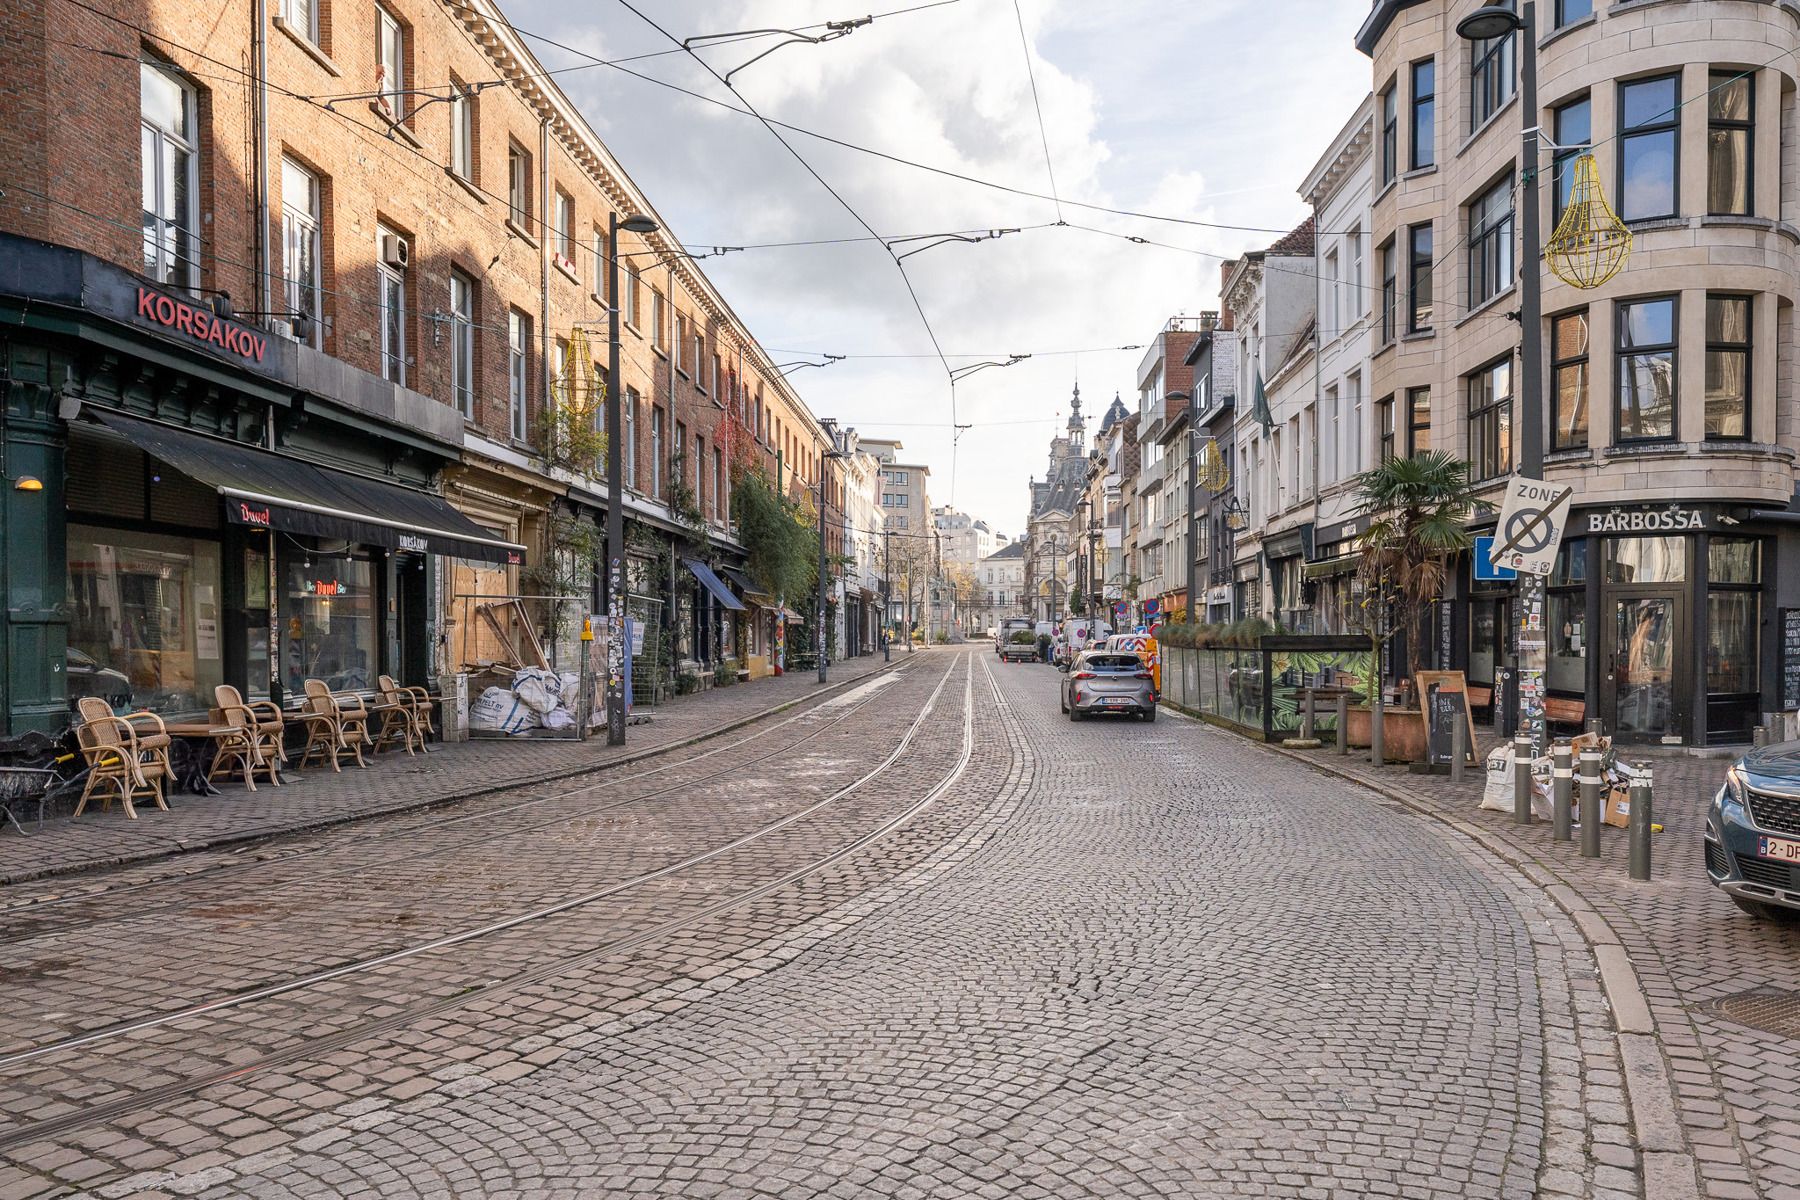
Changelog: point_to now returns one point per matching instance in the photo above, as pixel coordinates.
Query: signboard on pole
(1485, 570)
(1530, 530)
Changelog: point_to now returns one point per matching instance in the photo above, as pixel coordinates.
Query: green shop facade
(190, 500)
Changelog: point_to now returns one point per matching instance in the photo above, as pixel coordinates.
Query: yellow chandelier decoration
(578, 387)
(1590, 244)
(1213, 475)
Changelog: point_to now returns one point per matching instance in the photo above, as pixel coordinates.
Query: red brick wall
(69, 114)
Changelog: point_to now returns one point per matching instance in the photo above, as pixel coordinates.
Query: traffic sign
(1485, 570)
(1530, 529)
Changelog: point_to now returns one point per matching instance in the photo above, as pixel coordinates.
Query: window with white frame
(518, 371)
(1356, 305)
(518, 185)
(171, 173)
(628, 449)
(392, 297)
(1330, 436)
(1491, 243)
(301, 269)
(630, 297)
(599, 277)
(462, 342)
(1353, 434)
(1329, 295)
(564, 231)
(390, 71)
(302, 17)
(656, 451)
(462, 131)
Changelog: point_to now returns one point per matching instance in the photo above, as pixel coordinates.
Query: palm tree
(1419, 510)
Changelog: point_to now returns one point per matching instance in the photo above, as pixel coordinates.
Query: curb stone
(1668, 1163)
(186, 847)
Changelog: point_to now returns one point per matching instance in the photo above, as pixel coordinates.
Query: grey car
(1108, 681)
(1753, 833)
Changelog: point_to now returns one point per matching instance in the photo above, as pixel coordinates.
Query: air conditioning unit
(395, 252)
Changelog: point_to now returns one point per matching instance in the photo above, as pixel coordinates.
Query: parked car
(1017, 641)
(1753, 833)
(1104, 681)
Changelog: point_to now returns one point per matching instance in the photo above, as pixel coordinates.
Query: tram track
(234, 870)
(312, 1047)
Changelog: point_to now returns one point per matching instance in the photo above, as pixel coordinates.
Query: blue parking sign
(1484, 570)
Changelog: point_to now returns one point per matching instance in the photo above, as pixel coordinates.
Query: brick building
(306, 343)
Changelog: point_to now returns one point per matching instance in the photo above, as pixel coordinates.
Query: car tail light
(1143, 675)
(1082, 675)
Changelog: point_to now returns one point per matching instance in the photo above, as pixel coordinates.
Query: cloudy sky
(1211, 111)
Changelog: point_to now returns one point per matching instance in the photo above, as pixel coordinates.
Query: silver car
(1108, 681)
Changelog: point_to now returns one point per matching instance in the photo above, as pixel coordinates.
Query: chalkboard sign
(1790, 659)
(1446, 701)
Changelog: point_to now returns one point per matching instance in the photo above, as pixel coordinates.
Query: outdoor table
(199, 740)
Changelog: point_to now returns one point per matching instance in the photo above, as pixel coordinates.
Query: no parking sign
(1530, 529)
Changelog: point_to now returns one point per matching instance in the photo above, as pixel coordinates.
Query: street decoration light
(1591, 243)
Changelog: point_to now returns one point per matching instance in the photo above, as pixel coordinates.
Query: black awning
(748, 587)
(714, 584)
(273, 491)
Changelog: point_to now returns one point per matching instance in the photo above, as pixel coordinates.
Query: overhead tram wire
(845, 204)
(1043, 133)
(593, 60)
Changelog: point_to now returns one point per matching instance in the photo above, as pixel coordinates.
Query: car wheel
(1766, 912)
(1150, 713)
(1074, 713)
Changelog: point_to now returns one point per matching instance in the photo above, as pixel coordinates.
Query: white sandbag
(559, 718)
(1497, 792)
(537, 689)
(499, 711)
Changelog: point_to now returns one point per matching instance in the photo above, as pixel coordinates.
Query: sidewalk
(1716, 1104)
(392, 783)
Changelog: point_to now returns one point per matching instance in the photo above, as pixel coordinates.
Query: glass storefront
(329, 617)
(144, 619)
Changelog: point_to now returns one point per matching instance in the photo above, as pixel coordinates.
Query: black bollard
(1638, 823)
(1561, 787)
(1521, 779)
(1593, 803)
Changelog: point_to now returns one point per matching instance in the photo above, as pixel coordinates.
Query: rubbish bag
(499, 711)
(537, 689)
(1497, 792)
(559, 718)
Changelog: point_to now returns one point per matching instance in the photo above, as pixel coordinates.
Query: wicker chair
(120, 759)
(269, 719)
(242, 742)
(335, 725)
(405, 714)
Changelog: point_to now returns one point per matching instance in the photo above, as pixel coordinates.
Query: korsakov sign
(200, 324)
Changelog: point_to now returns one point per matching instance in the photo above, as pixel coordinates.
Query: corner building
(1669, 391)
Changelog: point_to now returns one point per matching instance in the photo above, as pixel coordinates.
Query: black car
(1753, 833)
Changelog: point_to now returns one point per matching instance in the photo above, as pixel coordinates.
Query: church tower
(1077, 426)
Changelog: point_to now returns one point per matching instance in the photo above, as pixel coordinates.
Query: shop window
(1574, 130)
(1569, 381)
(1490, 420)
(1727, 368)
(1646, 369)
(170, 141)
(144, 619)
(1646, 560)
(1649, 127)
(1571, 564)
(328, 620)
(1488, 631)
(1730, 126)
(1733, 615)
(1566, 667)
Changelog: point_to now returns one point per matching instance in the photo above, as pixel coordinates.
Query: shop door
(1645, 680)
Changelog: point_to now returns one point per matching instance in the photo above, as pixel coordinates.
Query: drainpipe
(259, 17)
(544, 252)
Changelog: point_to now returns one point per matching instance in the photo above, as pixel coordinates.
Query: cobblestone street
(920, 937)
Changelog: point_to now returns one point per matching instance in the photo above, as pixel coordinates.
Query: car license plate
(1780, 849)
(1121, 702)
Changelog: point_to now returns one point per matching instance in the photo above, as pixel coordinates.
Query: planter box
(1402, 733)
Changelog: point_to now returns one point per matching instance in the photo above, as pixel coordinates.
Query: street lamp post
(825, 456)
(615, 485)
(1492, 21)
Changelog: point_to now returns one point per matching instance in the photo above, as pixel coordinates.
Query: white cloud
(1210, 111)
